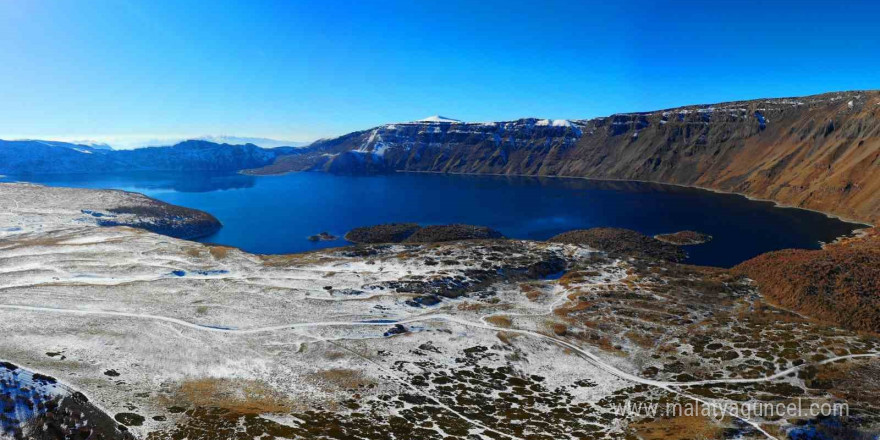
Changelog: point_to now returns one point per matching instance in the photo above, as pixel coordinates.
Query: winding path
(673, 387)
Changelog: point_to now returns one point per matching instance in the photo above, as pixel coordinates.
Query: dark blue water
(276, 214)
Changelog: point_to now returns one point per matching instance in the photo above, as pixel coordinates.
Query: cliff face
(820, 152)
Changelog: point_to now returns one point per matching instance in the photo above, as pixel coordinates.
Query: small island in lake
(323, 236)
(684, 238)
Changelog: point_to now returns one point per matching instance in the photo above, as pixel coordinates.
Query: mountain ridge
(54, 157)
(819, 152)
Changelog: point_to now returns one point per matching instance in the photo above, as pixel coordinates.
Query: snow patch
(438, 118)
(554, 123)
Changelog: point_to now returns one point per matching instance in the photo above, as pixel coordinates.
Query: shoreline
(776, 203)
(203, 238)
(856, 233)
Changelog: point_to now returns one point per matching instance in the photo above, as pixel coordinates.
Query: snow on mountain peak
(554, 122)
(438, 118)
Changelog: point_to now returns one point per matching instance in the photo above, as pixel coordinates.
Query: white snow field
(343, 343)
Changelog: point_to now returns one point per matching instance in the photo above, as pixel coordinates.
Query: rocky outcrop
(441, 233)
(387, 233)
(413, 233)
(820, 152)
(37, 406)
(625, 242)
(163, 218)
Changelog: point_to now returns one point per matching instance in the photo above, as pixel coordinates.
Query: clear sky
(302, 70)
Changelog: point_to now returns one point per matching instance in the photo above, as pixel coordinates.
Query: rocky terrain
(479, 339)
(413, 233)
(819, 152)
(387, 233)
(40, 407)
(617, 241)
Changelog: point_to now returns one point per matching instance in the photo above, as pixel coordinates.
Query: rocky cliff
(819, 152)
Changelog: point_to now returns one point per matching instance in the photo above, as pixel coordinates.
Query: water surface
(276, 214)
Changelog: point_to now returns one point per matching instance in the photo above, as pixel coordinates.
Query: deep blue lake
(276, 214)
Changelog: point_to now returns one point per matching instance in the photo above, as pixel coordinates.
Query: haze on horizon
(115, 71)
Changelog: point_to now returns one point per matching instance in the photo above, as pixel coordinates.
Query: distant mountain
(90, 145)
(97, 145)
(820, 152)
(52, 157)
(133, 142)
(260, 142)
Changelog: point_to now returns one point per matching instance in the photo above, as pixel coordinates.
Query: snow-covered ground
(144, 323)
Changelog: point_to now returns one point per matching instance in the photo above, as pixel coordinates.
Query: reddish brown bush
(839, 284)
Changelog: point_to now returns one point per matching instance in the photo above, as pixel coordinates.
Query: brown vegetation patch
(301, 259)
(559, 329)
(471, 307)
(499, 321)
(641, 339)
(219, 252)
(339, 379)
(38, 241)
(532, 292)
(238, 395)
(573, 309)
(507, 337)
(691, 427)
(576, 276)
(838, 284)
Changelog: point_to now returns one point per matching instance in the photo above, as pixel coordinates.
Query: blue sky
(303, 70)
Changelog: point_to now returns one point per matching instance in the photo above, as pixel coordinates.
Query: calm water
(275, 214)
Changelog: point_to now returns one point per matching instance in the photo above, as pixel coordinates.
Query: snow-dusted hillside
(478, 339)
(50, 157)
(436, 143)
(818, 152)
